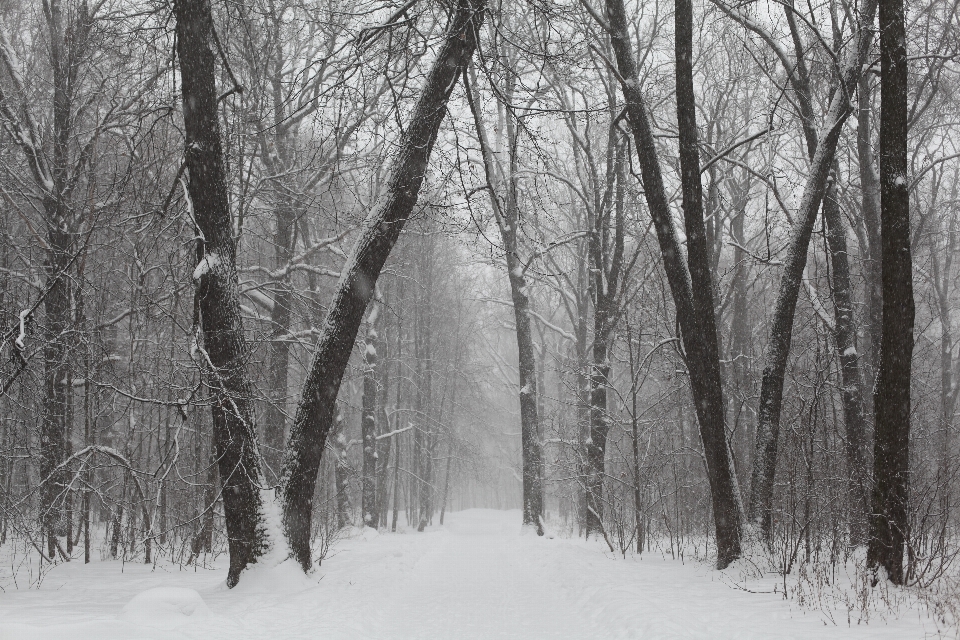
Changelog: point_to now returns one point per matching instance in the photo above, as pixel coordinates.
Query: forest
(280, 279)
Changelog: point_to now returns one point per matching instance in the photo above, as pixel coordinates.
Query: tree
(690, 281)
(218, 298)
(781, 326)
(380, 232)
(370, 506)
(891, 396)
(504, 199)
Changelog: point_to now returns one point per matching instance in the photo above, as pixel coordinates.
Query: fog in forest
(475, 319)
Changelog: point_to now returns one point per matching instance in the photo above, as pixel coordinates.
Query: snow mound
(165, 608)
(266, 578)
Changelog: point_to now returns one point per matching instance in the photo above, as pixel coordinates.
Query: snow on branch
(395, 432)
(817, 305)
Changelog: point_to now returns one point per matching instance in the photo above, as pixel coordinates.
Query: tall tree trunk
(426, 424)
(368, 422)
(67, 45)
(846, 342)
(702, 363)
(384, 443)
(891, 399)
(341, 471)
(314, 415)
(278, 358)
(396, 486)
(583, 398)
(870, 210)
(781, 326)
(446, 483)
(507, 214)
(224, 347)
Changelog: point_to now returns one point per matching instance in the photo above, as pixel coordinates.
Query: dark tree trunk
(67, 47)
(704, 321)
(224, 347)
(56, 370)
(891, 399)
(314, 415)
(702, 363)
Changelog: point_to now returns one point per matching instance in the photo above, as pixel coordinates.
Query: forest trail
(474, 578)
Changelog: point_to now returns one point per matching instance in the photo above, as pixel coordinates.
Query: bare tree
(692, 295)
(218, 298)
(891, 399)
(381, 229)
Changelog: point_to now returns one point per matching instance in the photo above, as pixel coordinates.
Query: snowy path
(475, 578)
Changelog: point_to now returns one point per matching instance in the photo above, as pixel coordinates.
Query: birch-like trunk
(845, 337)
(369, 506)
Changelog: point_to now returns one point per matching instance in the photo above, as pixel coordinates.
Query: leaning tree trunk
(891, 399)
(224, 348)
(312, 423)
(703, 363)
(704, 320)
(844, 328)
(781, 327)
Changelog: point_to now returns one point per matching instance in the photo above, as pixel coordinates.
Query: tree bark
(507, 214)
(702, 363)
(891, 399)
(870, 210)
(315, 412)
(341, 472)
(423, 466)
(224, 347)
(368, 422)
(781, 328)
(846, 342)
(278, 358)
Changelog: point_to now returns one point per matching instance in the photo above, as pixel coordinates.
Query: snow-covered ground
(476, 577)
